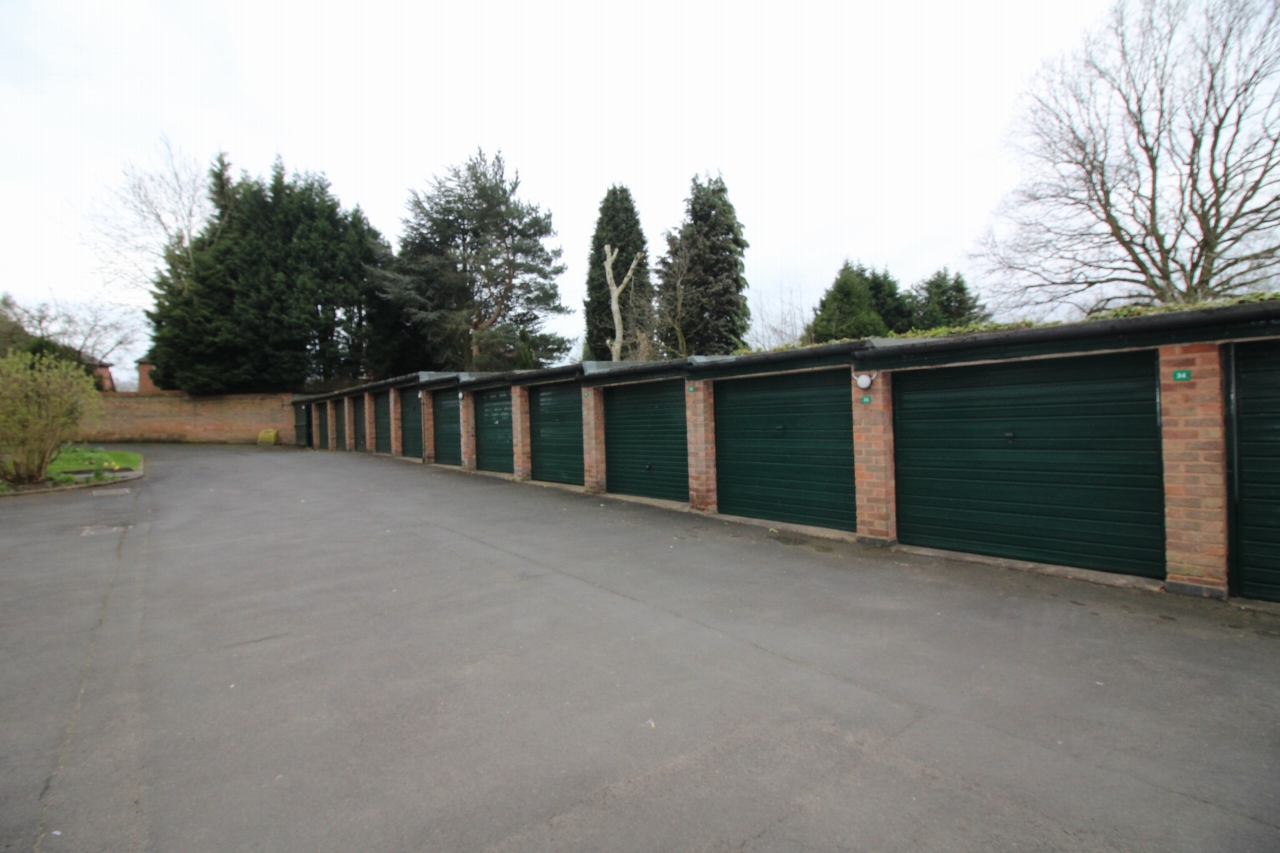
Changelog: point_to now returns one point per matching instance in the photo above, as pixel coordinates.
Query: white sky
(871, 131)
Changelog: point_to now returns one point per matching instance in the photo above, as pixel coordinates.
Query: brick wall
(521, 441)
(349, 414)
(700, 426)
(593, 458)
(397, 426)
(370, 425)
(468, 416)
(428, 428)
(1195, 470)
(873, 472)
(177, 416)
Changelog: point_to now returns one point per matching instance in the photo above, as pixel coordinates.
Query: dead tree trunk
(615, 291)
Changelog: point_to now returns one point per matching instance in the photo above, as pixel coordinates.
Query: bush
(43, 400)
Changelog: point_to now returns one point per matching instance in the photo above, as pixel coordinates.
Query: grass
(79, 457)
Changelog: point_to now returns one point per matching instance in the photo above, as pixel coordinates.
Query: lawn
(81, 459)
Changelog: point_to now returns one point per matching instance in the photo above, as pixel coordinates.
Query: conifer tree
(943, 299)
(848, 308)
(702, 303)
(618, 225)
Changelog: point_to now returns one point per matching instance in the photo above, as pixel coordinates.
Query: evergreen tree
(893, 306)
(702, 301)
(618, 225)
(848, 308)
(944, 299)
(272, 293)
(475, 268)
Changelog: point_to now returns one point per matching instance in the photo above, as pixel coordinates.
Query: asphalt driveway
(282, 650)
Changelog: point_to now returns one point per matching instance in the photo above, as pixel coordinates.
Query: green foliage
(43, 401)
(943, 299)
(80, 458)
(12, 334)
(618, 225)
(273, 292)
(1143, 310)
(474, 269)
(848, 308)
(702, 303)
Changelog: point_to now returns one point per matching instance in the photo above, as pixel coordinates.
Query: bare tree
(1154, 166)
(153, 211)
(615, 291)
(95, 330)
(780, 325)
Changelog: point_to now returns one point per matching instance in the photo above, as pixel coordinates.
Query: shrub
(43, 401)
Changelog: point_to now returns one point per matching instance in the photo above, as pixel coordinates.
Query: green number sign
(1181, 375)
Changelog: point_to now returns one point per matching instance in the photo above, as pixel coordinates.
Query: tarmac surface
(284, 650)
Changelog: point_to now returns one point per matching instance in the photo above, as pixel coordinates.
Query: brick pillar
(593, 479)
(370, 424)
(873, 474)
(521, 443)
(467, 413)
(349, 415)
(315, 426)
(1192, 416)
(428, 428)
(700, 425)
(397, 437)
(333, 424)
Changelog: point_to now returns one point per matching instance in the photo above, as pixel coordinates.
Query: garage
(357, 413)
(493, 431)
(382, 422)
(302, 425)
(322, 415)
(646, 444)
(448, 427)
(555, 433)
(340, 423)
(784, 448)
(410, 423)
(1052, 461)
(1256, 484)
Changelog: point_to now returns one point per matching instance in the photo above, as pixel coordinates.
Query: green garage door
(357, 412)
(448, 427)
(302, 425)
(382, 422)
(1256, 545)
(555, 432)
(340, 423)
(784, 448)
(645, 440)
(493, 431)
(322, 414)
(1055, 461)
(410, 423)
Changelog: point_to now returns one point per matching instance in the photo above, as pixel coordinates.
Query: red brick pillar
(317, 412)
(370, 424)
(873, 474)
(467, 405)
(593, 479)
(1192, 416)
(521, 444)
(428, 428)
(349, 415)
(700, 425)
(397, 438)
(333, 424)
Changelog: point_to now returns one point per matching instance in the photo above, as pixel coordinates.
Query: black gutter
(414, 379)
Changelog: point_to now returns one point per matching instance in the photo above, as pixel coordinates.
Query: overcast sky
(876, 132)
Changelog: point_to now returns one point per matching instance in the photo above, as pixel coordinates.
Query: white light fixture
(864, 380)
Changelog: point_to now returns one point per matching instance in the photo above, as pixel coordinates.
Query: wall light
(864, 380)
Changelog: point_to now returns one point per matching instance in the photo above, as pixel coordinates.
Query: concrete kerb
(101, 484)
(1071, 572)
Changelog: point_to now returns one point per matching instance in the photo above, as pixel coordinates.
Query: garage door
(1257, 481)
(322, 415)
(410, 423)
(784, 448)
(1054, 461)
(646, 445)
(357, 412)
(555, 433)
(493, 431)
(302, 425)
(340, 423)
(448, 427)
(382, 422)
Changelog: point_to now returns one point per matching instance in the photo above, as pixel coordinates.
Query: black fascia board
(414, 379)
(548, 375)
(599, 373)
(782, 361)
(1235, 322)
